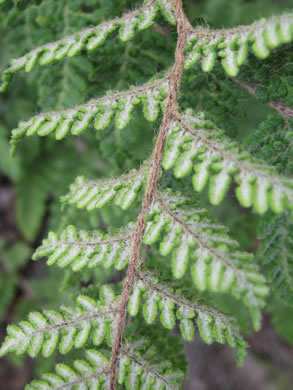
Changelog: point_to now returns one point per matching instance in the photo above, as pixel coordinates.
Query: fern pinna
(176, 256)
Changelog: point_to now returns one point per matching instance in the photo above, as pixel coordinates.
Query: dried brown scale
(175, 78)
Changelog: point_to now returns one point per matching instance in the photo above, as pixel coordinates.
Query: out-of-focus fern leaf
(282, 317)
(30, 205)
(15, 256)
(12, 258)
(10, 167)
(8, 285)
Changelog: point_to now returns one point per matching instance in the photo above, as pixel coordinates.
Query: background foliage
(32, 183)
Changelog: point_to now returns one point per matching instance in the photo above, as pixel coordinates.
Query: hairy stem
(175, 79)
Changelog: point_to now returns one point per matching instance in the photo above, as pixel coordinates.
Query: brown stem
(175, 79)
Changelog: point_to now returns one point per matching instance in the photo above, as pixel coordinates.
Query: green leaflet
(232, 46)
(159, 297)
(79, 249)
(186, 234)
(90, 38)
(196, 143)
(122, 190)
(69, 328)
(98, 111)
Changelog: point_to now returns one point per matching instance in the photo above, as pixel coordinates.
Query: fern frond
(101, 110)
(79, 249)
(122, 190)
(90, 38)
(69, 328)
(232, 45)
(139, 365)
(194, 142)
(92, 373)
(218, 266)
(205, 261)
(172, 304)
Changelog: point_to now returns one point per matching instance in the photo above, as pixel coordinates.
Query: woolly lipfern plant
(171, 259)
